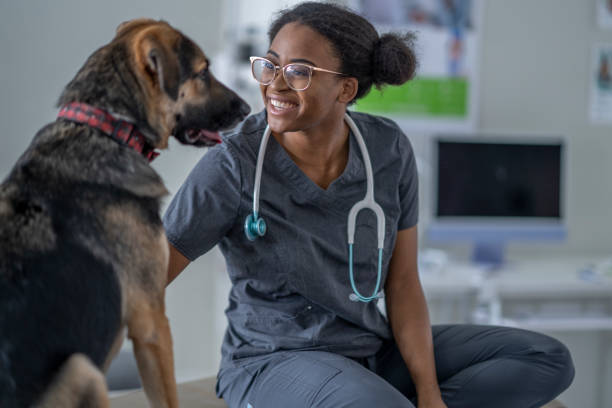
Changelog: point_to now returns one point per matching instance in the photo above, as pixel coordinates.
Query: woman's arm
(177, 263)
(409, 318)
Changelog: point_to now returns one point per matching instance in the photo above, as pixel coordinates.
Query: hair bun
(393, 60)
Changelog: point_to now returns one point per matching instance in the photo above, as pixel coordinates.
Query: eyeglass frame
(278, 67)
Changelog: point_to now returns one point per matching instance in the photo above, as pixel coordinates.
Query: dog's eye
(203, 73)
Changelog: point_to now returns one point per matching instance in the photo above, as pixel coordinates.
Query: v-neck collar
(303, 184)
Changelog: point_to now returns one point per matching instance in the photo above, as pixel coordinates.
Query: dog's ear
(161, 62)
(128, 25)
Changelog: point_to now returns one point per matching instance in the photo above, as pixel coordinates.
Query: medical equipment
(510, 188)
(255, 226)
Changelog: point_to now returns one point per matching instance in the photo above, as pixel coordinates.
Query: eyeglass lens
(296, 75)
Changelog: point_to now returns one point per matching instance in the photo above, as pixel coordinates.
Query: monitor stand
(489, 253)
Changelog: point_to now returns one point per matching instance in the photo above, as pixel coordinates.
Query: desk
(561, 297)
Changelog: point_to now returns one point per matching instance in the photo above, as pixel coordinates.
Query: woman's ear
(350, 85)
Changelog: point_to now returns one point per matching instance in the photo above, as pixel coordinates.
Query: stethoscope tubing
(259, 169)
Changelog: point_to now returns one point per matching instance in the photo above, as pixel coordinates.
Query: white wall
(536, 64)
(43, 44)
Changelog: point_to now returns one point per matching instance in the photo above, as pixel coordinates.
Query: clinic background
(534, 64)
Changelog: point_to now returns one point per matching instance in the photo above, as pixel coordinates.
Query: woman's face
(289, 110)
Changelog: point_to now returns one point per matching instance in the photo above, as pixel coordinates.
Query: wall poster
(443, 94)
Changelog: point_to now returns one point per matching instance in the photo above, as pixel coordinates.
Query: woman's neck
(320, 152)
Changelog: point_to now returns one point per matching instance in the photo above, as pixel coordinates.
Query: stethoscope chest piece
(254, 227)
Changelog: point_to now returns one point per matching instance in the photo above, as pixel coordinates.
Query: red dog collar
(124, 132)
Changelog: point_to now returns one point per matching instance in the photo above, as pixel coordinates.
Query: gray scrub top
(290, 288)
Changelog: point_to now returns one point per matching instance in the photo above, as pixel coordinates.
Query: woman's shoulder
(384, 132)
(376, 123)
(240, 143)
(246, 131)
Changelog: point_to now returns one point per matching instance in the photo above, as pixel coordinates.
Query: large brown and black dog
(83, 254)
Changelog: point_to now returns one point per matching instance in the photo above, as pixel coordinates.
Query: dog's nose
(242, 107)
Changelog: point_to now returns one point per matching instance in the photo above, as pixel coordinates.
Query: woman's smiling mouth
(277, 106)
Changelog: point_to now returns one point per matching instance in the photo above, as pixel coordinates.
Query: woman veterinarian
(304, 326)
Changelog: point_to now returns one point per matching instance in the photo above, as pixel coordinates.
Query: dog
(83, 254)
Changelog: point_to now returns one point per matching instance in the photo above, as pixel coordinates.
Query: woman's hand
(440, 404)
(434, 401)
(176, 263)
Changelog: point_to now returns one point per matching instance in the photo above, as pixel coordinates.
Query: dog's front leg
(149, 331)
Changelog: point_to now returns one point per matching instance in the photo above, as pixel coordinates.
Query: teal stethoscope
(255, 226)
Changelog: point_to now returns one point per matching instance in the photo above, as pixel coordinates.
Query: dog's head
(183, 97)
(155, 75)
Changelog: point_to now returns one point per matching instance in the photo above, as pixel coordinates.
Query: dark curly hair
(372, 59)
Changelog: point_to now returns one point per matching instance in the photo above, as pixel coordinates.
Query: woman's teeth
(281, 105)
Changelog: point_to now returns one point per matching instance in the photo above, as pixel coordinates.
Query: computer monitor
(493, 190)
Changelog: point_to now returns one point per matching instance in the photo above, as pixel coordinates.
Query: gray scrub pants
(477, 366)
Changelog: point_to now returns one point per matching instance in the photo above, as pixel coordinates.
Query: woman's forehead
(299, 42)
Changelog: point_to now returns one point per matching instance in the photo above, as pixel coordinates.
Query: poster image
(601, 85)
(442, 95)
(604, 14)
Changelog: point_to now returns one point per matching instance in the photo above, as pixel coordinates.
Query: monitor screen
(491, 191)
(479, 179)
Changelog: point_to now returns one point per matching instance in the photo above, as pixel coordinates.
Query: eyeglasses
(297, 76)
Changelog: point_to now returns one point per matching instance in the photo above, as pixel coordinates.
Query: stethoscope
(255, 226)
